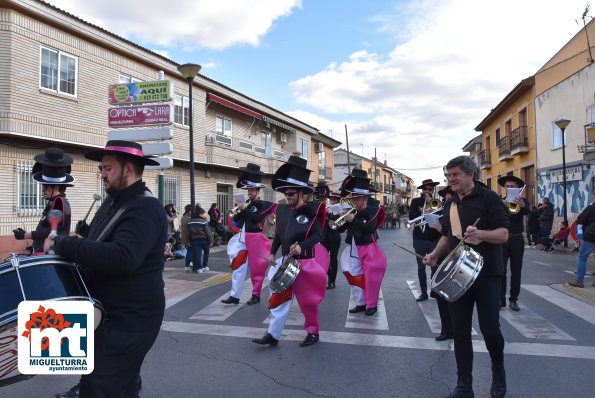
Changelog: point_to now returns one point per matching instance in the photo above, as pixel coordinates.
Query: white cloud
(188, 24)
(455, 61)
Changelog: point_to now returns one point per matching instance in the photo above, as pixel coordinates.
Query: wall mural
(579, 193)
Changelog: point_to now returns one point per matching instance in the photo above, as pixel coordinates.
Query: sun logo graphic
(55, 337)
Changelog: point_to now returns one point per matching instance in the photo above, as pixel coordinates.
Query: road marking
(533, 326)
(541, 263)
(429, 309)
(295, 316)
(572, 305)
(213, 280)
(378, 321)
(422, 343)
(218, 311)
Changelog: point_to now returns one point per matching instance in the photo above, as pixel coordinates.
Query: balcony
(325, 174)
(588, 149)
(230, 151)
(485, 159)
(519, 140)
(503, 145)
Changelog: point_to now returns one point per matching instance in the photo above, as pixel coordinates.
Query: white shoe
(200, 271)
(206, 269)
(187, 269)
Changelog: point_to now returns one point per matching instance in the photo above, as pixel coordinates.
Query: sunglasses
(427, 189)
(290, 193)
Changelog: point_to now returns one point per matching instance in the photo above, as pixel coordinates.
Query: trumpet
(339, 222)
(236, 210)
(421, 221)
(514, 208)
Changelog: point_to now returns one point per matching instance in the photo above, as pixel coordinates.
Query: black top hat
(292, 174)
(250, 177)
(322, 190)
(357, 184)
(445, 190)
(428, 183)
(52, 168)
(120, 147)
(503, 179)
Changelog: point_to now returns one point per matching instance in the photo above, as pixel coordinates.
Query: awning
(276, 123)
(235, 107)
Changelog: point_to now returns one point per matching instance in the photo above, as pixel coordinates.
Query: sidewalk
(585, 294)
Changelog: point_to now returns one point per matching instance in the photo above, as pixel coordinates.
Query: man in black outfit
(424, 238)
(472, 201)
(515, 247)
(122, 257)
(331, 239)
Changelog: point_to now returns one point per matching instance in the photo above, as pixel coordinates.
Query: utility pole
(348, 158)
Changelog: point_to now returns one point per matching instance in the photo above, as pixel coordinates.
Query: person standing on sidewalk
(587, 220)
(202, 239)
(424, 238)
(185, 236)
(514, 248)
(546, 219)
(533, 226)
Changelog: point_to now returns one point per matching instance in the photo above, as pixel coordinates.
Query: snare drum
(34, 278)
(457, 273)
(285, 275)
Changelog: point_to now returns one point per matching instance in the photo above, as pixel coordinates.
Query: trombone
(339, 222)
(433, 203)
(513, 207)
(236, 210)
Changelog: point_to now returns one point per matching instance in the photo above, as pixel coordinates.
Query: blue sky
(409, 78)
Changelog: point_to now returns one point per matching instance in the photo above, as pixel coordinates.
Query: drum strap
(106, 229)
(455, 224)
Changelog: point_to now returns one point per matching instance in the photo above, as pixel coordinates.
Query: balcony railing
(244, 146)
(519, 140)
(503, 145)
(485, 158)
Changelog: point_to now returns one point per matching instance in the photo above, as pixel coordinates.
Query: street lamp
(562, 123)
(189, 71)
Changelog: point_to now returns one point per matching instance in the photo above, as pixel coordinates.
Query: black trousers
(485, 293)
(118, 359)
(514, 250)
(422, 247)
(333, 248)
(444, 311)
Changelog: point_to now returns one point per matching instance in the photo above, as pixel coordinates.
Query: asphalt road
(204, 348)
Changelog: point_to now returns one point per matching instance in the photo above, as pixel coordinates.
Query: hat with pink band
(120, 147)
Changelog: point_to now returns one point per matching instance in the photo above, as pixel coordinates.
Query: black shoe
(253, 300)
(513, 305)
(267, 339)
(371, 311)
(498, 389)
(331, 285)
(72, 393)
(357, 308)
(443, 336)
(463, 389)
(231, 300)
(310, 339)
(433, 294)
(422, 297)
(503, 304)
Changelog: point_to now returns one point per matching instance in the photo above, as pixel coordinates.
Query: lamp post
(189, 71)
(562, 123)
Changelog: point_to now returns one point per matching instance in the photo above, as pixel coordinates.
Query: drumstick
(408, 251)
(96, 197)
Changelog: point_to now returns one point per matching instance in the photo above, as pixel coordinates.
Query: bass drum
(34, 278)
(457, 273)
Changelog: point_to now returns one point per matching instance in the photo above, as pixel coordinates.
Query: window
(304, 149)
(171, 191)
(58, 71)
(29, 196)
(591, 114)
(127, 79)
(181, 110)
(489, 183)
(322, 164)
(556, 136)
(223, 126)
(497, 136)
(267, 143)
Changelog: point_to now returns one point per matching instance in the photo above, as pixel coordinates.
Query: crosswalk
(540, 336)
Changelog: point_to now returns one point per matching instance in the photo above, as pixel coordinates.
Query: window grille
(29, 200)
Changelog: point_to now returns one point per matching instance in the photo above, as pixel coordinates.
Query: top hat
(52, 168)
(250, 177)
(292, 174)
(445, 190)
(357, 184)
(428, 182)
(503, 179)
(322, 190)
(120, 147)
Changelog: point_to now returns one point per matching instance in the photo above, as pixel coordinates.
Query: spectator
(202, 239)
(561, 236)
(173, 225)
(533, 226)
(168, 254)
(185, 236)
(214, 219)
(587, 220)
(546, 218)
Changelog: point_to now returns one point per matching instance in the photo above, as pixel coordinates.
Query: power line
(420, 168)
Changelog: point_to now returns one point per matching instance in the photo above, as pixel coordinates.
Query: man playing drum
(298, 233)
(362, 261)
(250, 247)
(472, 201)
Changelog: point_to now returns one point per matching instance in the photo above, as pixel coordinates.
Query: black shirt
(415, 211)
(254, 215)
(363, 228)
(302, 225)
(486, 205)
(516, 220)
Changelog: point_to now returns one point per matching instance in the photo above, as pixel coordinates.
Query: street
(204, 348)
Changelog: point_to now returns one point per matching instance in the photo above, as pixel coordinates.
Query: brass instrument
(339, 222)
(236, 210)
(514, 208)
(420, 221)
(433, 203)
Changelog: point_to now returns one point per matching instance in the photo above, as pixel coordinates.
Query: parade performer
(362, 261)
(298, 233)
(331, 239)
(250, 247)
(52, 170)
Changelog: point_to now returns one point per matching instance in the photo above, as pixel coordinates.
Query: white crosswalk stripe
(570, 304)
(295, 317)
(533, 326)
(378, 321)
(218, 311)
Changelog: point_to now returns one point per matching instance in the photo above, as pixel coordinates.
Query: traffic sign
(162, 133)
(158, 148)
(164, 163)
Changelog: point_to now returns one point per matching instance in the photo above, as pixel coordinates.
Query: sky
(408, 79)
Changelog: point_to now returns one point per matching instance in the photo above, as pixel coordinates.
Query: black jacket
(125, 270)
(364, 225)
(302, 225)
(254, 215)
(587, 220)
(43, 227)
